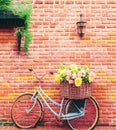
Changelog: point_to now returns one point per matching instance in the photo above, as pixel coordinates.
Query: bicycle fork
(34, 98)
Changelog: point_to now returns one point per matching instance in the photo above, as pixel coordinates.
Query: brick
(55, 40)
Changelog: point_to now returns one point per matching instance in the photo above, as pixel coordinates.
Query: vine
(24, 11)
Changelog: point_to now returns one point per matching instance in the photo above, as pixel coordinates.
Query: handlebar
(34, 72)
(39, 78)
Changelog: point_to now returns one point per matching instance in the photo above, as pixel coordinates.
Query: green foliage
(24, 11)
(28, 38)
(5, 2)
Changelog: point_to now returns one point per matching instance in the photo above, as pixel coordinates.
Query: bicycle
(28, 110)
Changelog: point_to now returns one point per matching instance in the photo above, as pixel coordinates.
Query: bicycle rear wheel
(19, 115)
(90, 118)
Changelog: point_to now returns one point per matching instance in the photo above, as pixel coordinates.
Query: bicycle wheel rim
(86, 122)
(20, 117)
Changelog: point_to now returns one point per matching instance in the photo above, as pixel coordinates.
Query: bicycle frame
(69, 116)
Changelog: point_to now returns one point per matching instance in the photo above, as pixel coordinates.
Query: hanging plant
(3, 2)
(24, 11)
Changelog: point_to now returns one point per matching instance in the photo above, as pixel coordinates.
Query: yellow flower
(78, 81)
(63, 73)
(57, 78)
(73, 67)
(59, 71)
(90, 79)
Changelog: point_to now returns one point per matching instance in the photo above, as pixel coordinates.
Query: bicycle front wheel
(25, 119)
(90, 118)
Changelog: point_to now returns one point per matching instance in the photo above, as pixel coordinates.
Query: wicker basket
(72, 92)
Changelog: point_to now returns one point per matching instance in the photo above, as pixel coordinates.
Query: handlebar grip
(30, 69)
(51, 73)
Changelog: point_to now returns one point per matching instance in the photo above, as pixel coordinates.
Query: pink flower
(67, 78)
(71, 81)
(82, 73)
(92, 75)
(74, 76)
(79, 74)
(68, 73)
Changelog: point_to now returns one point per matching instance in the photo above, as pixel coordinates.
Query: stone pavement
(55, 128)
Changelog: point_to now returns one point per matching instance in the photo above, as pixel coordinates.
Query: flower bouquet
(75, 81)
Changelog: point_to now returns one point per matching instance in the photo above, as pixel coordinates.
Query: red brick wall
(54, 41)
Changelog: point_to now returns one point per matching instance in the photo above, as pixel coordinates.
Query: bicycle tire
(90, 118)
(20, 117)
